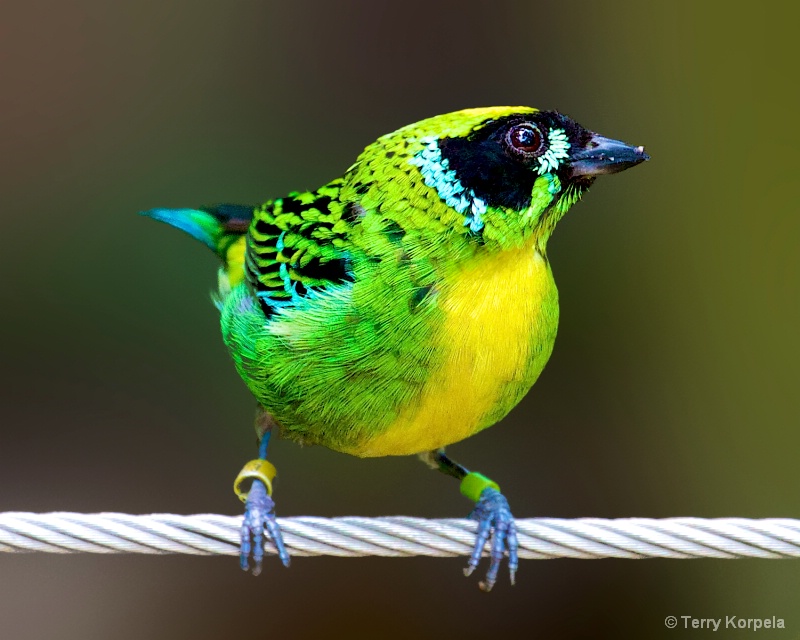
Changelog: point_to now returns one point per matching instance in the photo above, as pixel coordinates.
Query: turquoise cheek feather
(557, 151)
(437, 175)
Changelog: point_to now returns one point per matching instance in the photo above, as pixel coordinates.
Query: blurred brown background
(672, 389)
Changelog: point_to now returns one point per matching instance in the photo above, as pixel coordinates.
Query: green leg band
(473, 484)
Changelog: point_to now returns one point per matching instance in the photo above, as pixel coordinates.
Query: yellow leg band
(255, 470)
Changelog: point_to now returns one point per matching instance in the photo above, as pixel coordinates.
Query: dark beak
(604, 155)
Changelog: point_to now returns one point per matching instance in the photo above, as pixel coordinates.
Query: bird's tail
(222, 229)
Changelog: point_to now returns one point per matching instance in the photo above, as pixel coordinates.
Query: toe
(277, 538)
(513, 551)
(482, 536)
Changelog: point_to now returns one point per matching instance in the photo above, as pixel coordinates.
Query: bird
(406, 305)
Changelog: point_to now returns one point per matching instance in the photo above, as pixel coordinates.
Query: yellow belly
(501, 315)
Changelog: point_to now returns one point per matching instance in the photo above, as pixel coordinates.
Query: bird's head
(499, 174)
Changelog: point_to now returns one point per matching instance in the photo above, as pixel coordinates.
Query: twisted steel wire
(400, 536)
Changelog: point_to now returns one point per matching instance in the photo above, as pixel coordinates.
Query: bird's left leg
(492, 513)
(259, 510)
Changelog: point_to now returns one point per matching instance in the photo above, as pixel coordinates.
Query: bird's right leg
(492, 513)
(259, 510)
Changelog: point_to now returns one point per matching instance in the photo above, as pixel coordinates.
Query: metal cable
(401, 536)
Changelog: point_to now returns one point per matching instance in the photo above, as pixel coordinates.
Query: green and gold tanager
(408, 304)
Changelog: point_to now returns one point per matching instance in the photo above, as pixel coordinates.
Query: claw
(493, 514)
(259, 513)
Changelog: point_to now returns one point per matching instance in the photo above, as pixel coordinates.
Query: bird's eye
(525, 139)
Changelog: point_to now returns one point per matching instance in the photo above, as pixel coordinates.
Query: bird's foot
(259, 514)
(495, 520)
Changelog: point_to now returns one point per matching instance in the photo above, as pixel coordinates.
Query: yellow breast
(501, 314)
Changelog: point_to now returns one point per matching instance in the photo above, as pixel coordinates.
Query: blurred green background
(672, 389)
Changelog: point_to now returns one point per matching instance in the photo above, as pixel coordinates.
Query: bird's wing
(296, 245)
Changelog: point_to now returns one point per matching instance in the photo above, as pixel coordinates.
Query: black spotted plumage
(296, 244)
